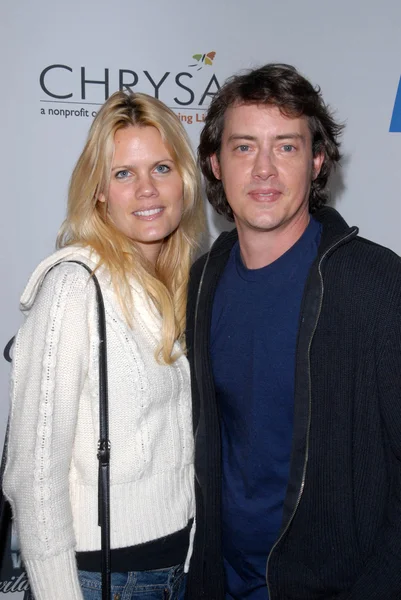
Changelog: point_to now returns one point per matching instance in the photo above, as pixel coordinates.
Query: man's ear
(214, 163)
(317, 165)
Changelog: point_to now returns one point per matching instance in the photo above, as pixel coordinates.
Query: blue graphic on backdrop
(395, 125)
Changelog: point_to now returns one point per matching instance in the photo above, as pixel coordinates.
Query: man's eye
(162, 169)
(122, 174)
(243, 148)
(288, 147)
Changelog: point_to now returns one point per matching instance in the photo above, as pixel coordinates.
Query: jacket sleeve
(49, 368)
(206, 575)
(381, 575)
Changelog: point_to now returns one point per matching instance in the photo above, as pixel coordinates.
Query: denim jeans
(161, 584)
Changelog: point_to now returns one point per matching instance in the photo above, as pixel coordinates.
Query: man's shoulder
(368, 269)
(358, 250)
(371, 255)
(377, 249)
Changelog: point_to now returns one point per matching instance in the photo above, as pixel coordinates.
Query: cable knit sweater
(51, 473)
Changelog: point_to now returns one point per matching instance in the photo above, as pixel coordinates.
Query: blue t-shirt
(253, 341)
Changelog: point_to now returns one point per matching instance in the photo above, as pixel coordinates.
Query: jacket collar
(335, 230)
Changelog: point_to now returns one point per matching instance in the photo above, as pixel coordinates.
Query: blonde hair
(87, 222)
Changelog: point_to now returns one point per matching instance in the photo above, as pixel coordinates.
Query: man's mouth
(264, 194)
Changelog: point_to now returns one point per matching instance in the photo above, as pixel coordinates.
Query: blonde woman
(134, 216)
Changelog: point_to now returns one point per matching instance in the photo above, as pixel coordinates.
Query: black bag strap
(103, 453)
(7, 350)
(5, 514)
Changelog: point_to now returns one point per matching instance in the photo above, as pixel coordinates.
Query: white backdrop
(351, 49)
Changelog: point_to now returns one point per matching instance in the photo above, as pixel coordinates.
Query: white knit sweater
(51, 473)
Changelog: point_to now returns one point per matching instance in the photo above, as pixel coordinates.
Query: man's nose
(265, 165)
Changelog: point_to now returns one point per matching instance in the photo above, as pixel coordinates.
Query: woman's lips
(148, 214)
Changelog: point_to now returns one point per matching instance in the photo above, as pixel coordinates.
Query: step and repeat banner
(60, 61)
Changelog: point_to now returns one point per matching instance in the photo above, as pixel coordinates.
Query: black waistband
(157, 554)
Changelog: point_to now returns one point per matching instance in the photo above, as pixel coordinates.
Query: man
(294, 338)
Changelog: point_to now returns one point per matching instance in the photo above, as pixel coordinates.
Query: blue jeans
(161, 584)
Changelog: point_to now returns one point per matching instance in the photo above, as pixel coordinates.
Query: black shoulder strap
(7, 350)
(5, 513)
(103, 444)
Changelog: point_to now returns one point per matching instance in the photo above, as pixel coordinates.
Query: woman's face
(145, 200)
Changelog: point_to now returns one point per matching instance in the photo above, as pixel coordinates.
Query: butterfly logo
(202, 59)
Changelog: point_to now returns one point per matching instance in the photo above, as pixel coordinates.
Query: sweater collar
(36, 279)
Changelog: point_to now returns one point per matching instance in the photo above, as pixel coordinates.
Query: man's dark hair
(273, 85)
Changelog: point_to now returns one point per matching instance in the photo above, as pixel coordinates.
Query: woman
(134, 216)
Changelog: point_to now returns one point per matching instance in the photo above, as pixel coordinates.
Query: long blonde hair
(87, 222)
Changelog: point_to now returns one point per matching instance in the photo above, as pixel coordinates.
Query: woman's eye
(162, 169)
(122, 174)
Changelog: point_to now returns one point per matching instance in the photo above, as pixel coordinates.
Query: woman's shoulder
(59, 267)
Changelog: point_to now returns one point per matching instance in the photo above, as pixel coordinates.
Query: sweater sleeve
(381, 575)
(49, 369)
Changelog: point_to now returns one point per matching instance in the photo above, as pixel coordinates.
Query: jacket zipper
(301, 489)
(195, 337)
(197, 305)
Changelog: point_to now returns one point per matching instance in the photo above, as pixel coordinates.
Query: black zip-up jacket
(341, 533)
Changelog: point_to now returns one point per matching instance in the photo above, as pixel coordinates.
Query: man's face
(266, 167)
